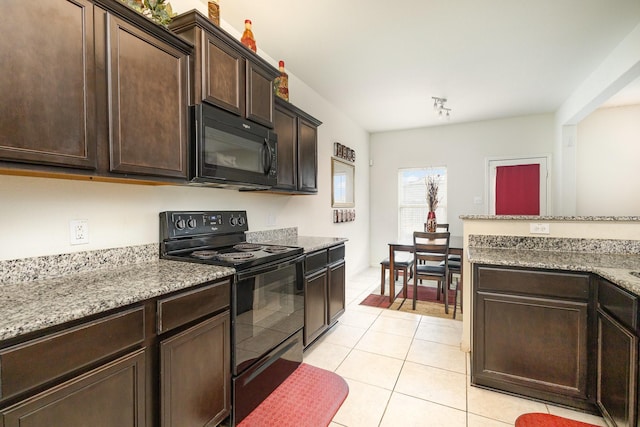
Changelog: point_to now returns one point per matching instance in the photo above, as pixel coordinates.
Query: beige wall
(464, 149)
(607, 172)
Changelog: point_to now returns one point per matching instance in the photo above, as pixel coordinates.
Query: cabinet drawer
(336, 254)
(39, 361)
(316, 261)
(533, 282)
(187, 306)
(622, 305)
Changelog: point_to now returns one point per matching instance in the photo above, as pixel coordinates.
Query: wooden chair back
(432, 248)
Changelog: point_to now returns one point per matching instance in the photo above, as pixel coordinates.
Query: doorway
(518, 186)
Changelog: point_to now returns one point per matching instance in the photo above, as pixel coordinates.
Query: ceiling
(381, 62)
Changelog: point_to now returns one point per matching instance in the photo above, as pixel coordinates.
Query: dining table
(456, 244)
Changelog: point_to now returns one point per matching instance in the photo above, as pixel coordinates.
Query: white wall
(620, 68)
(608, 151)
(35, 212)
(463, 149)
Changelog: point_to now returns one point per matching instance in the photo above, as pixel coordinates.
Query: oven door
(267, 308)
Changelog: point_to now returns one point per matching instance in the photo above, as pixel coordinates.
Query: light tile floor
(408, 370)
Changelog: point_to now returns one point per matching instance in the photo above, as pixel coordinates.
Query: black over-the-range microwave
(228, 151)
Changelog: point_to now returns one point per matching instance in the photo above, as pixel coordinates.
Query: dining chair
(431, 262)
(402, 263)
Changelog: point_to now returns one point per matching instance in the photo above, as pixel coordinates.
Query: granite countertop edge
(613, 267)
(309, 243)
(75, 296)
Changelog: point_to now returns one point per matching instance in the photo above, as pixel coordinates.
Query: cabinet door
(195, 376)
(286, 128)
(336, 297)
(315, 306)
(47, 113)
(617, 372)
(148, 99)
(223, 75)
(530, 345)
(259, 95)
(307, 156)
(112, 395)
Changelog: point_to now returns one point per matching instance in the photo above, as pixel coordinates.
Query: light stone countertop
(39, 304)
(613, 267)
(309, 243)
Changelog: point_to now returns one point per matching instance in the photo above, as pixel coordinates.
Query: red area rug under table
(425, 293)
(309, 397)
(548, 420)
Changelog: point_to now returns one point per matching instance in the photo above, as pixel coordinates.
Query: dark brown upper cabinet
(225, 73)
(148, 103)
(297, 149)
(93, 89)
(47, 113)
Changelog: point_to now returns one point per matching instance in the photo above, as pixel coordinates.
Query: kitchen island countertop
(34, 305)
(616, 268)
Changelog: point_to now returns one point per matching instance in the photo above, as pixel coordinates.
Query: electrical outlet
(79, 232)
(271, 219)
(538, 228)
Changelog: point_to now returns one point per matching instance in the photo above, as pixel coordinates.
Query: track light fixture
(439, 107)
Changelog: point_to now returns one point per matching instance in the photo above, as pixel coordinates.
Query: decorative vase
(431, 222)
(214, 12)
(281, 83)
(247, 37)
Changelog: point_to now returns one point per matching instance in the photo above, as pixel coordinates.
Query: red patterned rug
(425, 293)
(310, 396)
(548, 420)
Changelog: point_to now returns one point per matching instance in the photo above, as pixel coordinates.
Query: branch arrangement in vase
(432, 192)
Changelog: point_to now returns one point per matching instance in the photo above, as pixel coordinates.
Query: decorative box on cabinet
(225, 73)
(82, 97)
(617, 395)
(324, 298)
(533, 334)
(297, 149)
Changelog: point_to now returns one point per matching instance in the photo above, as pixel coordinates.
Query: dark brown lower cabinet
(111, 395)
(315, 305)
(336, 291)
(195, 376)
(324, 291)
(532, 334)
(617, 355)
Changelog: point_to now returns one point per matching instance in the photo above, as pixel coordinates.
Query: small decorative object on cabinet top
(247, 37)
(158, 11)
(344, 152)
(281, 83)
(214, 12)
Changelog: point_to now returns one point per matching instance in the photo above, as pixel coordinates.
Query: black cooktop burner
(247, 247)
(204, 254)
(277, 249)
(236, 256)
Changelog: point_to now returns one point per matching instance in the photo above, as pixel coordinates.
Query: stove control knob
(181, 224)
(241, 220)
(233, 221)
(192, 223)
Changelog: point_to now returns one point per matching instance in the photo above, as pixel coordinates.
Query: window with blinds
(412, 199)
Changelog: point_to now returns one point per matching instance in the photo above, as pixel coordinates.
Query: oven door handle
(266, 268)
